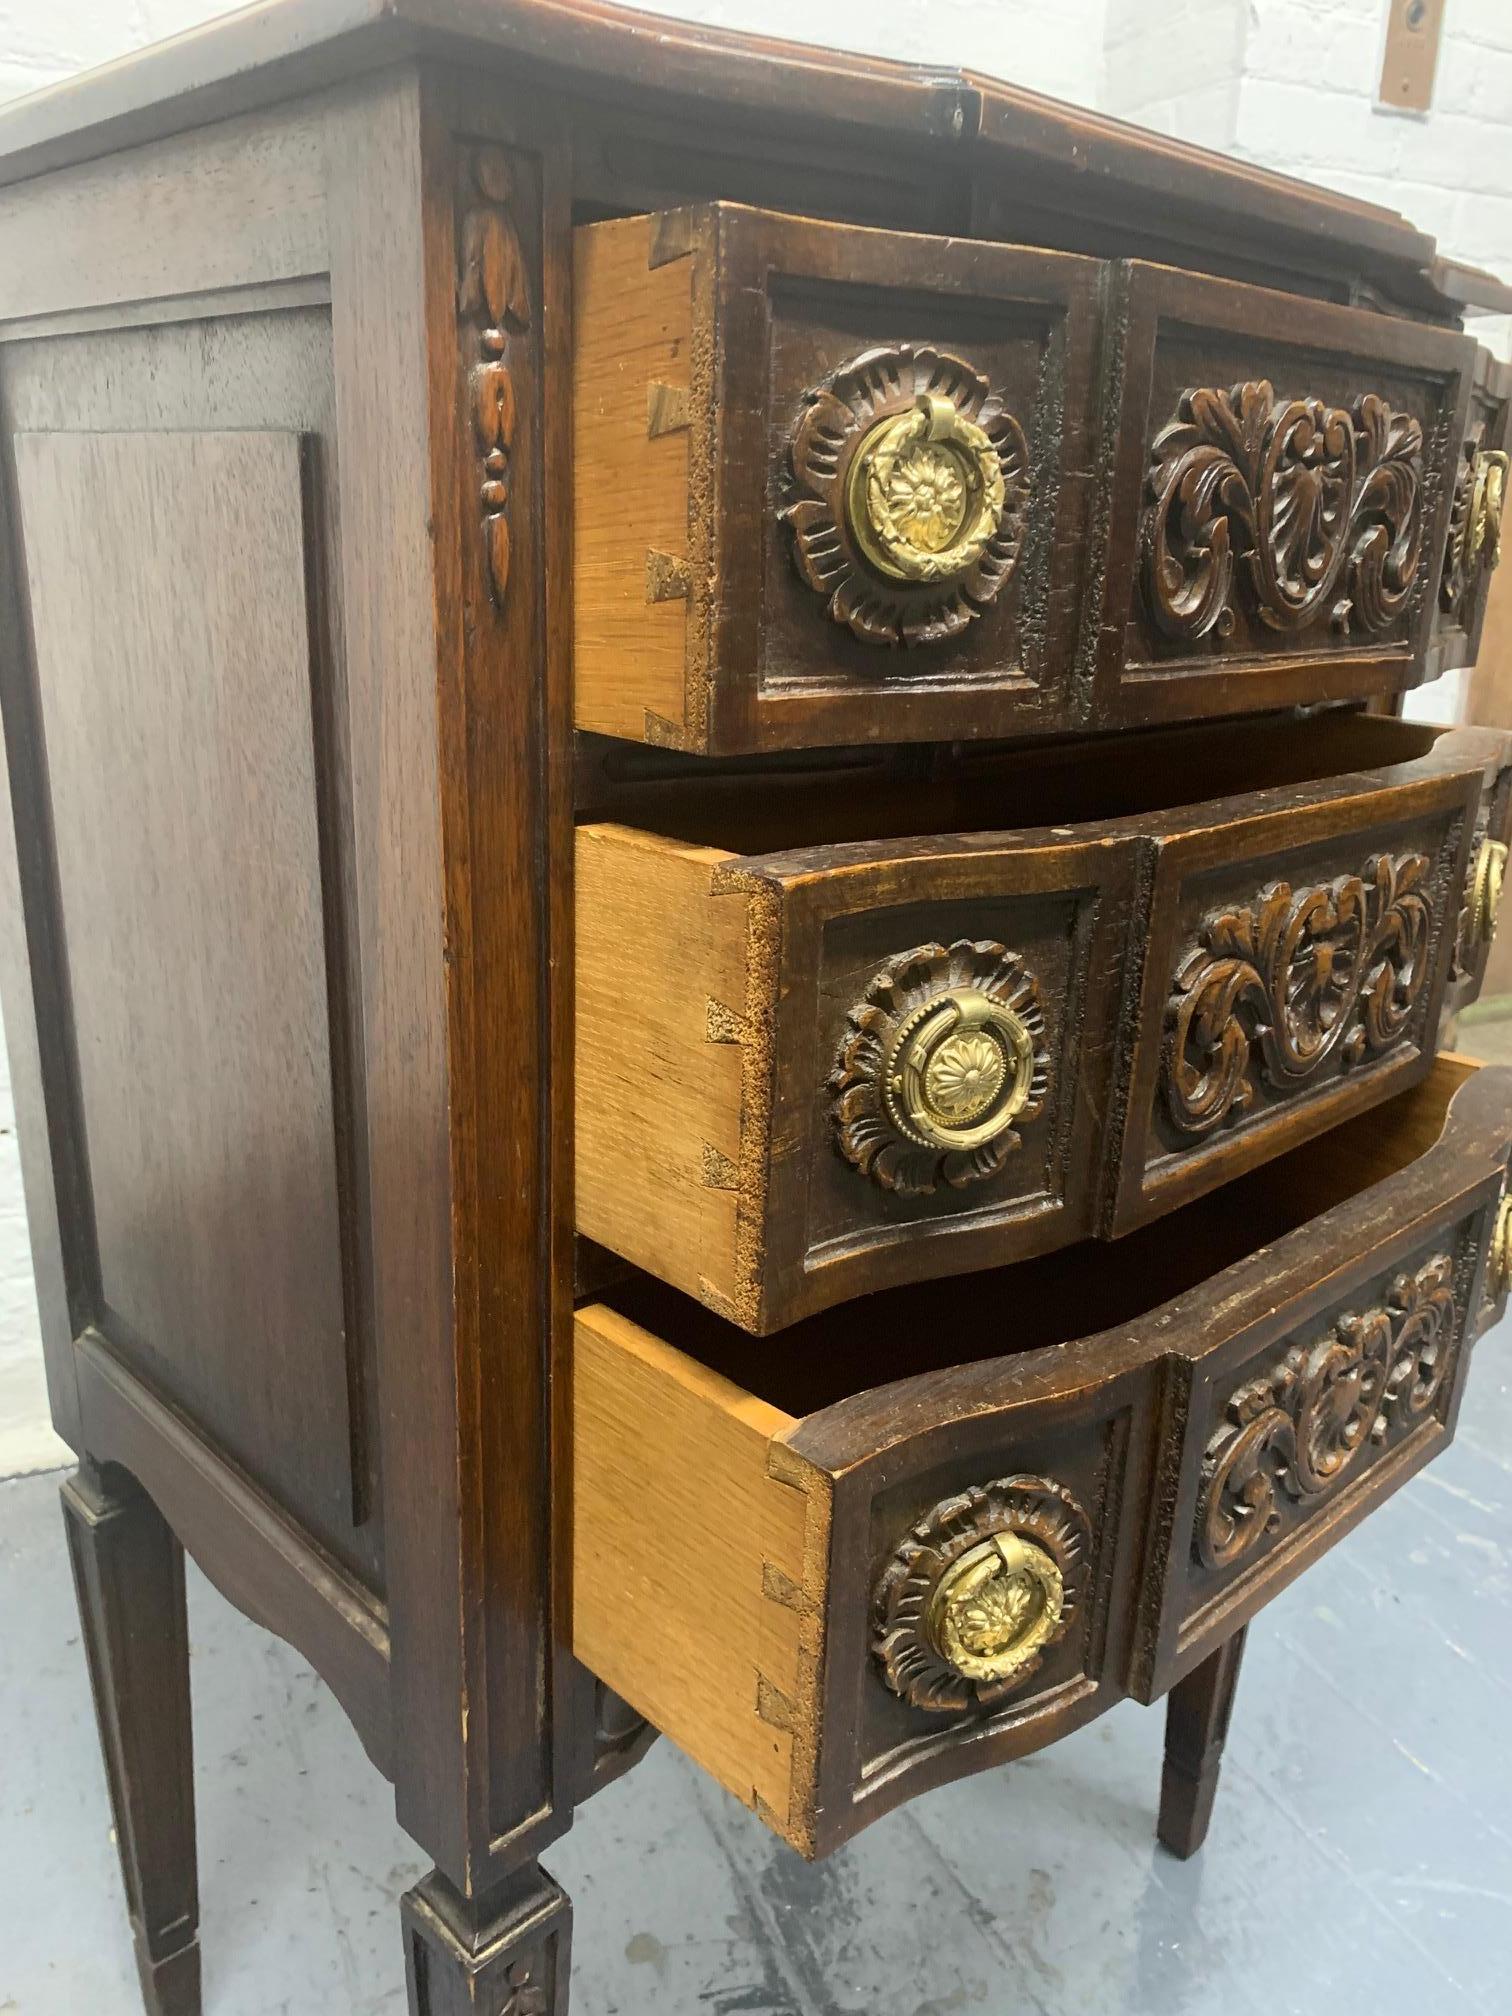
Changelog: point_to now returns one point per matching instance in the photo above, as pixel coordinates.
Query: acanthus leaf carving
(1294, 979)
(1299, 1428)
(1317, 510)
(493, 303)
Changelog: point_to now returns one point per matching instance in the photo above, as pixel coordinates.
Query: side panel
(176, 720)
(172, 633)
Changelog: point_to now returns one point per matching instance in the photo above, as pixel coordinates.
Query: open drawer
(843, 1564)
(839, 485)
(937, 1031)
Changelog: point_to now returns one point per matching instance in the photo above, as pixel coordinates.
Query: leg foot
(507, 1954)
(1197, 1723)
(129, 1575)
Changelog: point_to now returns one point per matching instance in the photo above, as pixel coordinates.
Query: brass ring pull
(978, 1591)
(925, 493)
(1499, 1253)
(1486, 888)
(958, 1070)
(1483, 539)
(996, 1608)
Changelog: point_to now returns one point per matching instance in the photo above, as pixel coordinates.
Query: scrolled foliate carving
(1312, 511)
(493, 305)
(978, 1591)
(909, 492)
(1297, 1430)
(1281, 985)
(942, 1063)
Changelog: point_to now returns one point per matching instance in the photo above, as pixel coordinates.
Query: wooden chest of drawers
(730, 1000)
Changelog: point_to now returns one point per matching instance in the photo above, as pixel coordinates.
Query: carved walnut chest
(725, 969)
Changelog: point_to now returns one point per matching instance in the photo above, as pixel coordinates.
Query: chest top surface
(995, 135)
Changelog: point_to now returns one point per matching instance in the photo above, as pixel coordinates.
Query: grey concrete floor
(1360, 1860)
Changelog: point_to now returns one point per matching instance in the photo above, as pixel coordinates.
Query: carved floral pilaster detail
(909, 481)
(1291, 980)
(493, 304)
(1317, 511)
(1299, 1428)
(523, 1993)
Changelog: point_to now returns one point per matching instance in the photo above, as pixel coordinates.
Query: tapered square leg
(129, 1575)
(1197, 1725)
(509, 1954)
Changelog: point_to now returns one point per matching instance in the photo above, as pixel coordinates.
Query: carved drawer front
(1280, 499)
(830, 483)
(810, 1074)
(880, 1556)
(1473, 547)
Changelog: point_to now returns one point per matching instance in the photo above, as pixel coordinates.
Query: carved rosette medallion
(1301, 1427)
(1475, 522)
(1291, 980)
(977, 1593)
(493, 304)
(941, 1063)
(910, 488)
(1311, 511)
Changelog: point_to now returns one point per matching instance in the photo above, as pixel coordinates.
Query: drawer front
(955, 1569)
(1295, 968)
(834, 485)
(1280, 1440)
(806, 1077)
(830, 483)
(1280, 500)
(1473, 546)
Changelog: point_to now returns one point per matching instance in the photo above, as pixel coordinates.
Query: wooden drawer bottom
(931, 1530)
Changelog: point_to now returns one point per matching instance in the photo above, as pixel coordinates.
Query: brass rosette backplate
(1487, 878)
(1488, 494)
(908, 494)
(978, 1592)
(1499, 1253)
(941, 1063)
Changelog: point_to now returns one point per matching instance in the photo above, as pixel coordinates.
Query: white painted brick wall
(1289, 84)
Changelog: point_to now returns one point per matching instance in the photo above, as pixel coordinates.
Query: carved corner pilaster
(507, 1957)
